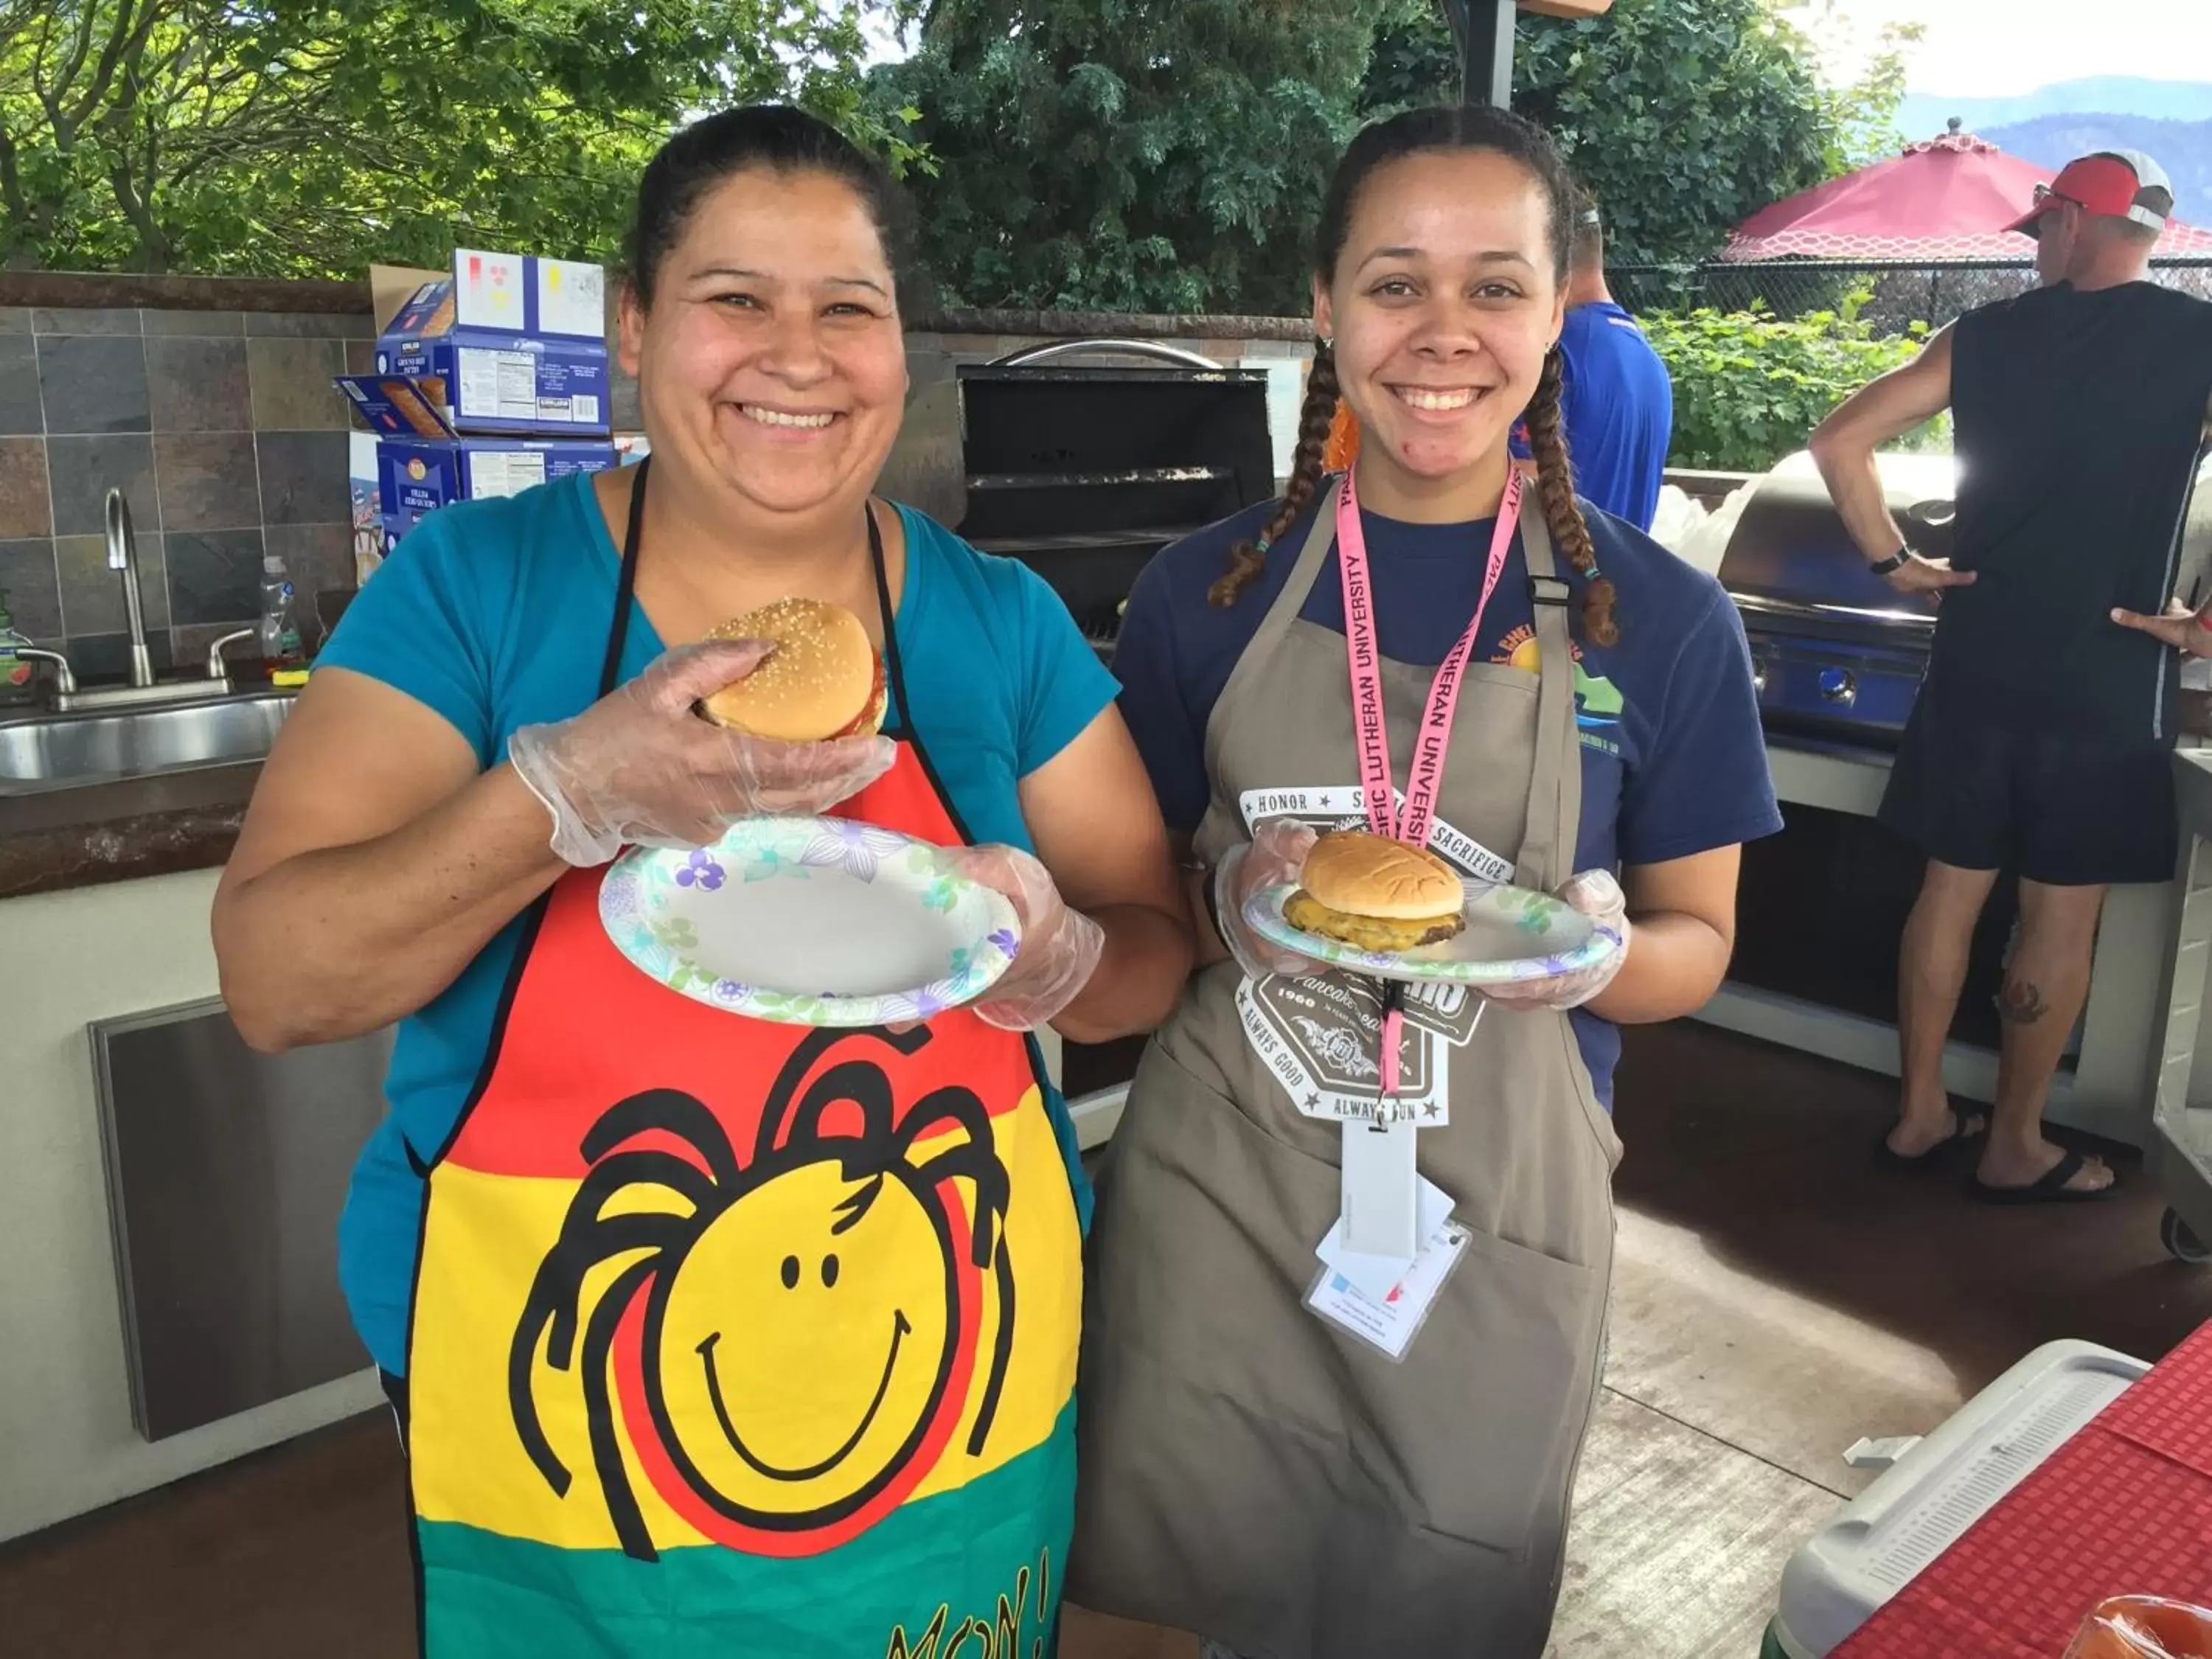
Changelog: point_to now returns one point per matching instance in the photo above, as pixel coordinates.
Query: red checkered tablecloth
(2122, 1507)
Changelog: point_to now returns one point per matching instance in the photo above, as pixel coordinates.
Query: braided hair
(1249, 557)
(1425, 132)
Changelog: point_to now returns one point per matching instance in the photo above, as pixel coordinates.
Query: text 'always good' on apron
(736, 1337)
(1249, 1471)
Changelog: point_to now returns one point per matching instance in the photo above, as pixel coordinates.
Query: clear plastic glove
(1597, 895)
(1274, 857)
(1059, 947)
(2144, 1627)
(641, 768)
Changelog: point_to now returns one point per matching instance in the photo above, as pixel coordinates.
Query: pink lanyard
(1370, 728)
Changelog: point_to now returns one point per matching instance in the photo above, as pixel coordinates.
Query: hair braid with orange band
(1247, 558)
(1562, 514)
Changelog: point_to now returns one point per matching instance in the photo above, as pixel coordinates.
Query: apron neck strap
(626, 583)
(626, 594)
(1555, 782)
(1313, 553)
(893, 664)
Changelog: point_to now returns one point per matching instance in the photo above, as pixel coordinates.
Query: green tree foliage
(1129, 155)
(1749, 386)
(308, 138)
(1684, 117)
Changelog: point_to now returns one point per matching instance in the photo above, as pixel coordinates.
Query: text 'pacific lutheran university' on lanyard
(1371, 730)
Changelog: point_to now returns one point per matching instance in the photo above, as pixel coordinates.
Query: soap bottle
(15, 672)
(280, 632)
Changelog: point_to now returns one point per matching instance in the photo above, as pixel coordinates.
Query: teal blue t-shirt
(494, 614)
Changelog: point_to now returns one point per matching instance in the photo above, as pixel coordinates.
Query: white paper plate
(1512, 936)
(810, 921)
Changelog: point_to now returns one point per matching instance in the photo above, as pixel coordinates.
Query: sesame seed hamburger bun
(824, 680)
(1377, 894)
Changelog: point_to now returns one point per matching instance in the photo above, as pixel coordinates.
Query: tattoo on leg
(2022, 1004)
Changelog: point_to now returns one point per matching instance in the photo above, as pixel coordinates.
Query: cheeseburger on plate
(824, 680)
(1377, 894)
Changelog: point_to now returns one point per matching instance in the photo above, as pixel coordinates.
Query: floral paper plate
(1512, 936)
(810, 921)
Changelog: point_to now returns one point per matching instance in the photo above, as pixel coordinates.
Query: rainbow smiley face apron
(739, 1338)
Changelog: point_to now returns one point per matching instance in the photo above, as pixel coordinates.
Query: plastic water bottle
(280, 634)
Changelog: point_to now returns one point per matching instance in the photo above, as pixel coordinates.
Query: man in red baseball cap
(2115, 202)
(2040, 742)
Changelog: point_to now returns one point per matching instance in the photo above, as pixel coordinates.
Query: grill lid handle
(1031, 355)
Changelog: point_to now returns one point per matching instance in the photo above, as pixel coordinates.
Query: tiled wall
(228, 439)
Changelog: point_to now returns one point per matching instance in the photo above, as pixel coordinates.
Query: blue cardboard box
(503, 343)
(418, 475)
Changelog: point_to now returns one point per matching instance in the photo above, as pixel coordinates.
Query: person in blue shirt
(709, 1334)
(1254, 1469)
(1615, 399)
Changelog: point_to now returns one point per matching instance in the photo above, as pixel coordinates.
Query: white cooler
(1935, 1489)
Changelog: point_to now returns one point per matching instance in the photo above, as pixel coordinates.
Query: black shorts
(2060, 808)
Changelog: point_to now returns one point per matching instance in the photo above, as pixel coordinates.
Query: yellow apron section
(811, 1331)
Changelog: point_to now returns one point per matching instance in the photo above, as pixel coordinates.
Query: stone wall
(209, 401)
(219, 422)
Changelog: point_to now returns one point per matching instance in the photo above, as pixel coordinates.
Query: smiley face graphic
(792, 1350)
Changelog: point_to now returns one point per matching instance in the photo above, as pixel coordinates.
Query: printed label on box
(488, 290)
(497, 384)
(494, 473)
(572, 299)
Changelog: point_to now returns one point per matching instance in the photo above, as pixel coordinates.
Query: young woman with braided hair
(1253, 1468)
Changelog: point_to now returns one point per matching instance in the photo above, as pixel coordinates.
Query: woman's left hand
(1597, 895)
(1059, 948)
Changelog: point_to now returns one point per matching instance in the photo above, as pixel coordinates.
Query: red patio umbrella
(1946, 198)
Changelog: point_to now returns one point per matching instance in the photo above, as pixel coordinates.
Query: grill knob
(1837, 685)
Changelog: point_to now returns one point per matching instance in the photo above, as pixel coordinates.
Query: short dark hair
(783, 140)
(1589, 240)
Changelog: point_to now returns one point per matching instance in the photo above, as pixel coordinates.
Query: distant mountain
(2183, 149)
(1922, 114)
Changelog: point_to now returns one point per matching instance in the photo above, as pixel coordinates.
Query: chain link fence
(1897, 292)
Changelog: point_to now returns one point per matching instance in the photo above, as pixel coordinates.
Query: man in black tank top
(2040, 742)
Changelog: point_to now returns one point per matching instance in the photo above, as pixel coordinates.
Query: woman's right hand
(641, 768)
(1274, 857)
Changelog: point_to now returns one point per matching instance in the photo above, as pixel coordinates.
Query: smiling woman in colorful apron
(1301, 1464)
(708, 1336)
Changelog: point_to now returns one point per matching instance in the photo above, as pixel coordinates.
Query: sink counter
(105, 826)
(135, 831)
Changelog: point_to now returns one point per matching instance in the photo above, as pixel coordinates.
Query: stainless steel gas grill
(1838, 655)
(1084, 470)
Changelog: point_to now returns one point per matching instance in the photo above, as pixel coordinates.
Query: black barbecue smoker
(1083, 467)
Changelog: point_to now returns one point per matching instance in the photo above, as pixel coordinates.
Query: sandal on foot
(2050, 1189)
(1890, 1158)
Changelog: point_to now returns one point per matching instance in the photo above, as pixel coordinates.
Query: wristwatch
(1896, 560)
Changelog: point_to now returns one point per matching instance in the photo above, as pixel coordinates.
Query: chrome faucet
(123, 555)
(217, 669)
(65, 676)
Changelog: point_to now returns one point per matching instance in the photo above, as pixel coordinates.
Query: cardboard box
(501, 344)
(368, 548)
(418, 475)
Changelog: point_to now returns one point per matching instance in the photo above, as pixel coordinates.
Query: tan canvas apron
(1247, 1471)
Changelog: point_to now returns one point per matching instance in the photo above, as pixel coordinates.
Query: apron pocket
(1484, 1419)
(1206, 1257)
(1207, 1254)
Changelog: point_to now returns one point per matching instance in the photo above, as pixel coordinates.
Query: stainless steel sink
(69, 751)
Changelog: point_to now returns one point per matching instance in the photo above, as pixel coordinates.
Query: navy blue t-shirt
(1619, 410)
(1673, 763)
